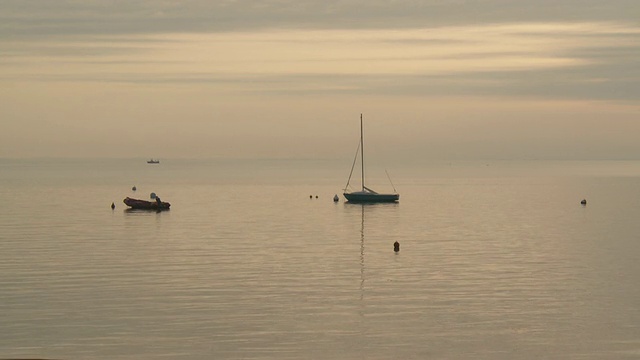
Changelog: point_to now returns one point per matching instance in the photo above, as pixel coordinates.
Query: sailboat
(366, 195)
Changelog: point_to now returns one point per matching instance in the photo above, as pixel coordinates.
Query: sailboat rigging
(366, 195)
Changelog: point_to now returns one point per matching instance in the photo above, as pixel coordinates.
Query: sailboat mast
(362, 151)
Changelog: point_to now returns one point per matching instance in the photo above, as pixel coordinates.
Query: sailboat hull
(366, 197)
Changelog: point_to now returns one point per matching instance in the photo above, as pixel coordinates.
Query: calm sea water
(497, 261)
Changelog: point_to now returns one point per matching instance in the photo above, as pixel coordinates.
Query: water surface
(496, 261)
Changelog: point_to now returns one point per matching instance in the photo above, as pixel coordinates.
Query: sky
(434, 79)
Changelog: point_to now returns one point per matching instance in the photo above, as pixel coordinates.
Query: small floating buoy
(583, 202)
(113, 206)
(396, 246)
(316, 196)
(152, 195)
(336, 198)
(134, 188)
(310, 196)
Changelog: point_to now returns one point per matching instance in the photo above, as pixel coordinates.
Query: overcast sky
(435, 79)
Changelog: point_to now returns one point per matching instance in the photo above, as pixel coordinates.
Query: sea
(496, 260)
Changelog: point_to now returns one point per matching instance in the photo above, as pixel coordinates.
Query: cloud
(559, 60)
(29, 18)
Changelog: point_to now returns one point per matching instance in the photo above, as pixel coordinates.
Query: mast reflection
(362, 254)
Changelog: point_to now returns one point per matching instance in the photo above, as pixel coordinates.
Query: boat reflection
(373, 211)
(362, 206)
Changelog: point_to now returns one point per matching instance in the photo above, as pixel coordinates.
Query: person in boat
(158, 201)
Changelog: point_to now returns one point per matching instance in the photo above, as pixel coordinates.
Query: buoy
(152, 195)
(310, 196)
(336, 198)
(583, 202)
(316, 196)
(134, 188)
(396, 246)
(113, 206)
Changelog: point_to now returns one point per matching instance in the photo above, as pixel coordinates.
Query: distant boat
(366, 195)
(146, 205)
(151, 161)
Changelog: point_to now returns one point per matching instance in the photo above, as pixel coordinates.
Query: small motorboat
(151, 161)
(146, 205)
